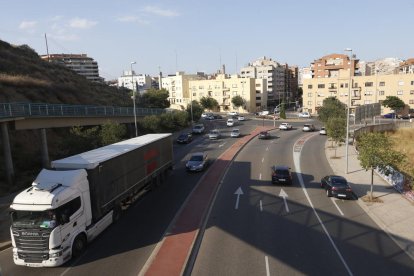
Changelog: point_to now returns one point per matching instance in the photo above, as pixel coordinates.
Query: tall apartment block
(80, 63)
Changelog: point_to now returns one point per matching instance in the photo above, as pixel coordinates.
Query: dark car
(336, 186)
(185, 138)
(264, 135)
(217, 116)
(197, 162)
(281, 175)
(389, 115)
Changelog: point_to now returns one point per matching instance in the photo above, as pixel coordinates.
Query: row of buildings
(265, 83)
(357, 83)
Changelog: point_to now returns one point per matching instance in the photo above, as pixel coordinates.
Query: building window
(411, 92)
(234, 93)
(368, 93)
(367, 102)
(368, 84)
(411, 101)
(321, 85)
(309, 86)
(400, 83)
(319, 103)
(399, 92)
(412, 82)
(310, 94)
(381, 93)
(201, 87)
(234, 85)
(321, 95)
(382, 83)
(258, 85)
(344, 85)
(309, 103)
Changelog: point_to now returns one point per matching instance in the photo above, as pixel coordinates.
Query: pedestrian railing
(13, 110)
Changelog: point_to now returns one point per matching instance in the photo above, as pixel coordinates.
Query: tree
(336, 130)
(209, 103)
(111, 133)
(237, 101)
(81, 139)
(331, 107)
(394, 103)
(375, 151)
(154, 98)
(197, 110)
(282, 113)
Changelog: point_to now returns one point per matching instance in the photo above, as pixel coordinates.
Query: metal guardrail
(12, 110)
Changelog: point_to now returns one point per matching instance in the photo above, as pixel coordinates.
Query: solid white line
(262, 159)
(336, 205)
(267, 266)
(260, 176)
(286, 205)
(261, 206)
(296, 161)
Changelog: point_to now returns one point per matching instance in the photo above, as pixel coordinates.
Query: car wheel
(328, 194)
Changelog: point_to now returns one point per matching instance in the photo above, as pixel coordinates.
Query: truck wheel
(79, 245)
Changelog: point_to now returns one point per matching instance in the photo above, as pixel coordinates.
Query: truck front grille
(32, 244)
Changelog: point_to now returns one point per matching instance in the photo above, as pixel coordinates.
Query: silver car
(197, 162)
(235, 133)
(214, 134)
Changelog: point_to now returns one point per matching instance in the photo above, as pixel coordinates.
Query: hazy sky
(196, 35)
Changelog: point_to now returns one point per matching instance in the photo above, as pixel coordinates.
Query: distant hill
(25, 77)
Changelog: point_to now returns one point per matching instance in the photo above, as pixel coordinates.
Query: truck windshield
(34, 219)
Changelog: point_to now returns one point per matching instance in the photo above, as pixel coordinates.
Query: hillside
(25, 77)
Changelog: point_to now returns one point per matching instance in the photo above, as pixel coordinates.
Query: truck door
(71, 218)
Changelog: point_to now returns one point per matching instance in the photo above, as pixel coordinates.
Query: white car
(241, 118)
(198, 129)
(285, 126)
(322, 131)
(230, 122)
(304, 115)
(214, 134)
(232, 113)
(205, 115)
(308, 127)
(235, 133)
(264, 113)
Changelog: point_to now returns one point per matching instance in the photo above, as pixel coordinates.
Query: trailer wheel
(79, 245)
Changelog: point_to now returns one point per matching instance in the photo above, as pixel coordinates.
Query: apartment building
(273, 72)
(80, 63)
(362, 89)
(330, 65)
(130, 80)
(223, 88)
(178, 87)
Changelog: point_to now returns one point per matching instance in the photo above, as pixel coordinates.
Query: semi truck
(70, 204)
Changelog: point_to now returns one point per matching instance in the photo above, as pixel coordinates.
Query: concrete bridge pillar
(7, 154)
(44, 150)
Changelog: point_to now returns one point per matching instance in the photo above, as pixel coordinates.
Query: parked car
(205, 115)
(198, 129)
(214, 134)
(336, 186)
(322, 131)
(308, 127)
(264, 135)
(217, 116)
(285, 126)
(389, 115)
(264, 113)
(210, 117)
(281, 175)
(184, 138)
(232, 113)
(241, 118)
(230, 122)
(304, 115)
(235, 133)
(197, 162)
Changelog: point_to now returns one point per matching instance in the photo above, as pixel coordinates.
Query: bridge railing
(11, 110)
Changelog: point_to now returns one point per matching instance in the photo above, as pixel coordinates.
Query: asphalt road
(294, 230)
(125, 246)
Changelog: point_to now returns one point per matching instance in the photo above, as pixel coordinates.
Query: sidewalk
(395, 214)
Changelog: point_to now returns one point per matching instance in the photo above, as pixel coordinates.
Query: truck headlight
(56, 254)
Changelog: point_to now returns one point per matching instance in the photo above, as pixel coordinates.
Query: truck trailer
(70, 204)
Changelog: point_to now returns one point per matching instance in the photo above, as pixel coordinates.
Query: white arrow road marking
(238, 193)
(221, 145)
(262, 159)
(267, 266)
(261, 205)
(284, 195)
(336, 205)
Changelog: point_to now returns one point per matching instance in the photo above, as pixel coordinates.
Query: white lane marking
(262, 159)
(284, 195)
(238, 193)
(336, 205)
(267, 266)
(260, 176)
(296, 161)
(261, 205)
(267, 149)
(222, 144)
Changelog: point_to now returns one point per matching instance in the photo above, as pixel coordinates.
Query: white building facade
(133, 81)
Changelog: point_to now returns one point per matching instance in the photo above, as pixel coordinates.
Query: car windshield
(339, 182)
(182, 136)
(34, 219)
(282, 172)
(197, 127)
(306, 125)
(196, 158)
(263, 133)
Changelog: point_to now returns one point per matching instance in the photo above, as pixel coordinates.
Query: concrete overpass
(32, 116)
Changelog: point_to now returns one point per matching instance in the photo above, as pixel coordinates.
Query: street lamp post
(191, 107)
(133, 99)
(347, 110)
